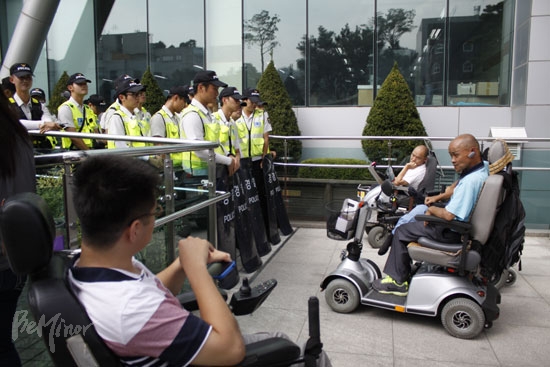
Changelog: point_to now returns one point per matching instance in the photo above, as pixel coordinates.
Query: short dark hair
(110, 191)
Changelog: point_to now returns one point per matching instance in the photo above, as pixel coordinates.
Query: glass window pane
(291, 28)
(412, 33)
(70, 45)
(177, 40)
(479, 52)
(340, 53)
(122, 46)
(224, 47)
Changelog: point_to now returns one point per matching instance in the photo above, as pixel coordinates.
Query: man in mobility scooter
(133, 311)
(446, 279)
(466, 159)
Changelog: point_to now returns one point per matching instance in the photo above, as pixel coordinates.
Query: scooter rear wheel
(463, 318)
(342, 296)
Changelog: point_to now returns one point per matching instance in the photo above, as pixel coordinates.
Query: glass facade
(451, 52)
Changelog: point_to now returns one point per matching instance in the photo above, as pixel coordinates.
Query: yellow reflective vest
(132, 127)
(172, 132)
(225, 148)
(84, 122)
(251, 141)
(211, 133)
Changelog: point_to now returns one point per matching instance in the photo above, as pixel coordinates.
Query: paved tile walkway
(375, 337)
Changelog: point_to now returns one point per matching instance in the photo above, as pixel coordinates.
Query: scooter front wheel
(463, 318)
(377, 236)
(342, 296)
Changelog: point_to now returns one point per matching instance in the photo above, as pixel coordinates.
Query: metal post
(212, 213)
(30, 33)
(169, 199)
(71, 219)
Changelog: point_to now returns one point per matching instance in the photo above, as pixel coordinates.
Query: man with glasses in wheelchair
(133, 311)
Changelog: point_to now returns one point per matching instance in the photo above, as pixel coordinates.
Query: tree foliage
(282, 117)
(393, 25)
(337, 64)
(155, 97)
(340, 61)
(56, 99)
(260, 30)
(392, 114)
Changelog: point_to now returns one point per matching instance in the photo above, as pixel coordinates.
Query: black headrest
(28, 231)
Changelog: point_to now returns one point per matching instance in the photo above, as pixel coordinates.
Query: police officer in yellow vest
(230, 102)
(124, 121)
(253, 130)
(115, 106)
(165, 123)
(198, 124)
(142, 114)
(32, 114)
(76, 115)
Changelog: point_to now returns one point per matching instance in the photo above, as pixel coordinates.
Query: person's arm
(440, 213)
(399, 179)
(46, 114)
(192, 125)
(225, 345)
(173, 276)
(446, 195)
(267, 129)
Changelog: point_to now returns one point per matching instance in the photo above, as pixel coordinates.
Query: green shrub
(155, 97)
(50, 187)
(281, 115)
(393, 114)
(361, 174)
(56, 99)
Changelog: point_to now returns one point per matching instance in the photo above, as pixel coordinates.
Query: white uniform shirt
(26, 108)
(191, 124)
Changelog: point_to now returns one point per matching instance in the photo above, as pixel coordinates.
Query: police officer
(8, 88)
(253, 130)
(230, 101)
(76, 115)
(198, 124)
(115, 106)
(165, 123)
(141, 112)
(124, 121)
(32, 114)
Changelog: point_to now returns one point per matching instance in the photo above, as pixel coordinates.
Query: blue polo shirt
(466, 192)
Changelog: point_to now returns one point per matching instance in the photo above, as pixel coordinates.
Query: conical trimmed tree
(155, 97)
(56, 99)
(392, 114)
(282, 117)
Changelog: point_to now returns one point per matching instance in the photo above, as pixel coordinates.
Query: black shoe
(386, 246)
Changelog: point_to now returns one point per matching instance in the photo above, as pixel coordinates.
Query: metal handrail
(70, 158)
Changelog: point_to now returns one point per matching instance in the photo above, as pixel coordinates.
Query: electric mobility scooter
(446, 280)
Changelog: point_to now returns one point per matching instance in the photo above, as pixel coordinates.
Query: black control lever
(248, 299)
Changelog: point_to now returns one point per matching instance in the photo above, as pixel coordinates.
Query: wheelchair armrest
(402, 189)
(270, 352)
(189, 301)
(433, 192)
(455, 225)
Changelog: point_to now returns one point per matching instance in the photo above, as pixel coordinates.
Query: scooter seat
(447, 247)
(444, 257)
